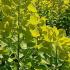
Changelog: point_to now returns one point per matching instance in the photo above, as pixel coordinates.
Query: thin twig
(18, 34)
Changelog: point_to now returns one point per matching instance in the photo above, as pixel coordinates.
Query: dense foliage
(31, 35)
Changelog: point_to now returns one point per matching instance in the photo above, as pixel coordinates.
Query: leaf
(10, 59)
